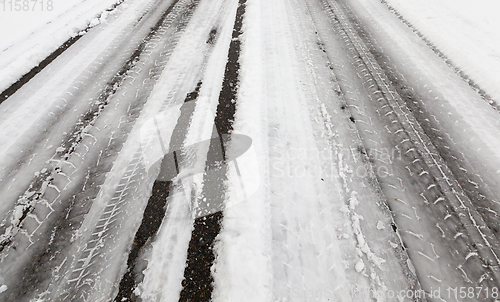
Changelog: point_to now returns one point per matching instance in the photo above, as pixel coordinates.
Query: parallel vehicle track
(450, 203)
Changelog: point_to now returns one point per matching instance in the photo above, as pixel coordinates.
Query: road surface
(302, 150)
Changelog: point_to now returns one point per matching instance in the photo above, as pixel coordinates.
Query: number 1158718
(474, 293)
(26, 5)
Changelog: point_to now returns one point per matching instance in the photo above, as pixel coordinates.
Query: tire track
(68, 207)
(75, 137)
(156, 207)
(466, 175)
(91, 254)
(464, 230)
(123, 53)
(197, 283)
(37, 187)
(359, 159)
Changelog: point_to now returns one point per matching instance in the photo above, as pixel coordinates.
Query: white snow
(466, 32)
(300, 233)
(360, 266)
(28, 37)
(18, 212)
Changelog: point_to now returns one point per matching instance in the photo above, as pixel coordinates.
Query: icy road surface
(251, 150)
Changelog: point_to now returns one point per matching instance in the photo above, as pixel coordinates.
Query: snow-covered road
(251, 150)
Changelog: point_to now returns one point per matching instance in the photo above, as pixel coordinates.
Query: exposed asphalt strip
(56, 53)
(153, 216)
(198, 282)
(156, 207)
